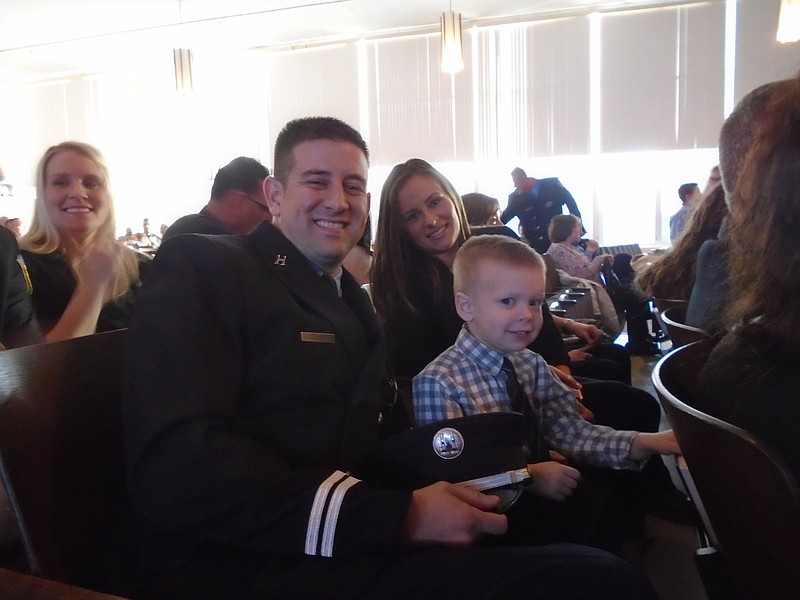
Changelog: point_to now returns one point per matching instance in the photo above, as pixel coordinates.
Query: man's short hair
(308, 129)
(518, 171)
(497, 248)
(242, 173)
(686, 190)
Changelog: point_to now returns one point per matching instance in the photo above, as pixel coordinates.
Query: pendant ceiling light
(789, 22)
(452, 52)
(183, 71)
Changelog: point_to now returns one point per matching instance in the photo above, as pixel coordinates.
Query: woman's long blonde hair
(43, 237)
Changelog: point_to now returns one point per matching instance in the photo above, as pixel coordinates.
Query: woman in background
(565, 236)
(74, 265)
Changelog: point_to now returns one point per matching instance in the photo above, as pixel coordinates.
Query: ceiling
(47, 39)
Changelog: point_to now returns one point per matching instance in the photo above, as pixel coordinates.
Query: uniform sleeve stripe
(332, 515)
(318, 510)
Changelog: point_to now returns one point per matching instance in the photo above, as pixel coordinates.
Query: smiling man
(254, 389)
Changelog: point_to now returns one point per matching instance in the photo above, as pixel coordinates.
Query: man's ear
(464, 306)
(273, 192)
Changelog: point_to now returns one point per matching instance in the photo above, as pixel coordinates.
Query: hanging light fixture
(183, 71)
(452, 51)
(789, 22)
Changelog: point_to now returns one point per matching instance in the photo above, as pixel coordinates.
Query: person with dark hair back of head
(237, 202)
(710, 294)
(751, 377)
(258, 478)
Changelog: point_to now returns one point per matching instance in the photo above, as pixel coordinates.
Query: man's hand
(587, 332)
(647, 444)
(553, 480)
(580, 354)
(451, 515)
(561, 372)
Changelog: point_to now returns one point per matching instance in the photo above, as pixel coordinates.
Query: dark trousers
(609, 362)
(563, 571)
(627, 408)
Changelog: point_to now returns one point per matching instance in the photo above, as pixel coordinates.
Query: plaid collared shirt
(467, 379)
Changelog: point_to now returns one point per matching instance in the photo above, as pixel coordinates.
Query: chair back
(61, 455)
(552, 281)
(679, 333)
(749, 495)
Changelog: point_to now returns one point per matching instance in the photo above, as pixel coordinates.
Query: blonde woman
(73, 264)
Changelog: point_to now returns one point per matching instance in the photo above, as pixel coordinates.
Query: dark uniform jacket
(18, 324)
(536, 207)
(252, 406)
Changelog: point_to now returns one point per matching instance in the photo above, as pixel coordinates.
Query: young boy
(499, 288)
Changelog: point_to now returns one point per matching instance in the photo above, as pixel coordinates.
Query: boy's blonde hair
(498, 248)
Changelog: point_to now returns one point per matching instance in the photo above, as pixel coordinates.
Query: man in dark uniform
(253, 385)
(18, 324)
(535, 202)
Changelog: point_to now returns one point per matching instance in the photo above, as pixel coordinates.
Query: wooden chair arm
(19, 586)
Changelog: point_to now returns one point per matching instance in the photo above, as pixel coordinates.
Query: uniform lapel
(288, 265)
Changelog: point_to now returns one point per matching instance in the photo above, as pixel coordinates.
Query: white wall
(622, 107)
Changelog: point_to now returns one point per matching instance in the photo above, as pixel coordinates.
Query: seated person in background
(81, 279)
(499, 288)
(568, 256)
(569, 253)
(237, 202)
(483, 215)
(254, 481)
(14, 225)
(714, 181)
(671, 275)
(690, 195)
(481, 209)
(711, 291)
(751, 378)
(535, 202)
(18, 325)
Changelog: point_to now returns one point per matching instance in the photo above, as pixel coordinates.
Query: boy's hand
(647, 444)
(553, 480)
(451, 515)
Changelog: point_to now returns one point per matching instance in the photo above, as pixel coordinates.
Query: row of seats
(61, 460)
(746, 497)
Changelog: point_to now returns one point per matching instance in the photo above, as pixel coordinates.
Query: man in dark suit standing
(254, 380)
(535, 202)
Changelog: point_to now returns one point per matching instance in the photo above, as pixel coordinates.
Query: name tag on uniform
(317, 337)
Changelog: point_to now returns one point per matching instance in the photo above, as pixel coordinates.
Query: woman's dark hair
(561, 226)
(394, 250)
(765, 219)
(672, 274)
(480, 207)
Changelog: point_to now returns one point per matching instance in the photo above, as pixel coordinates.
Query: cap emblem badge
(448, 443)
